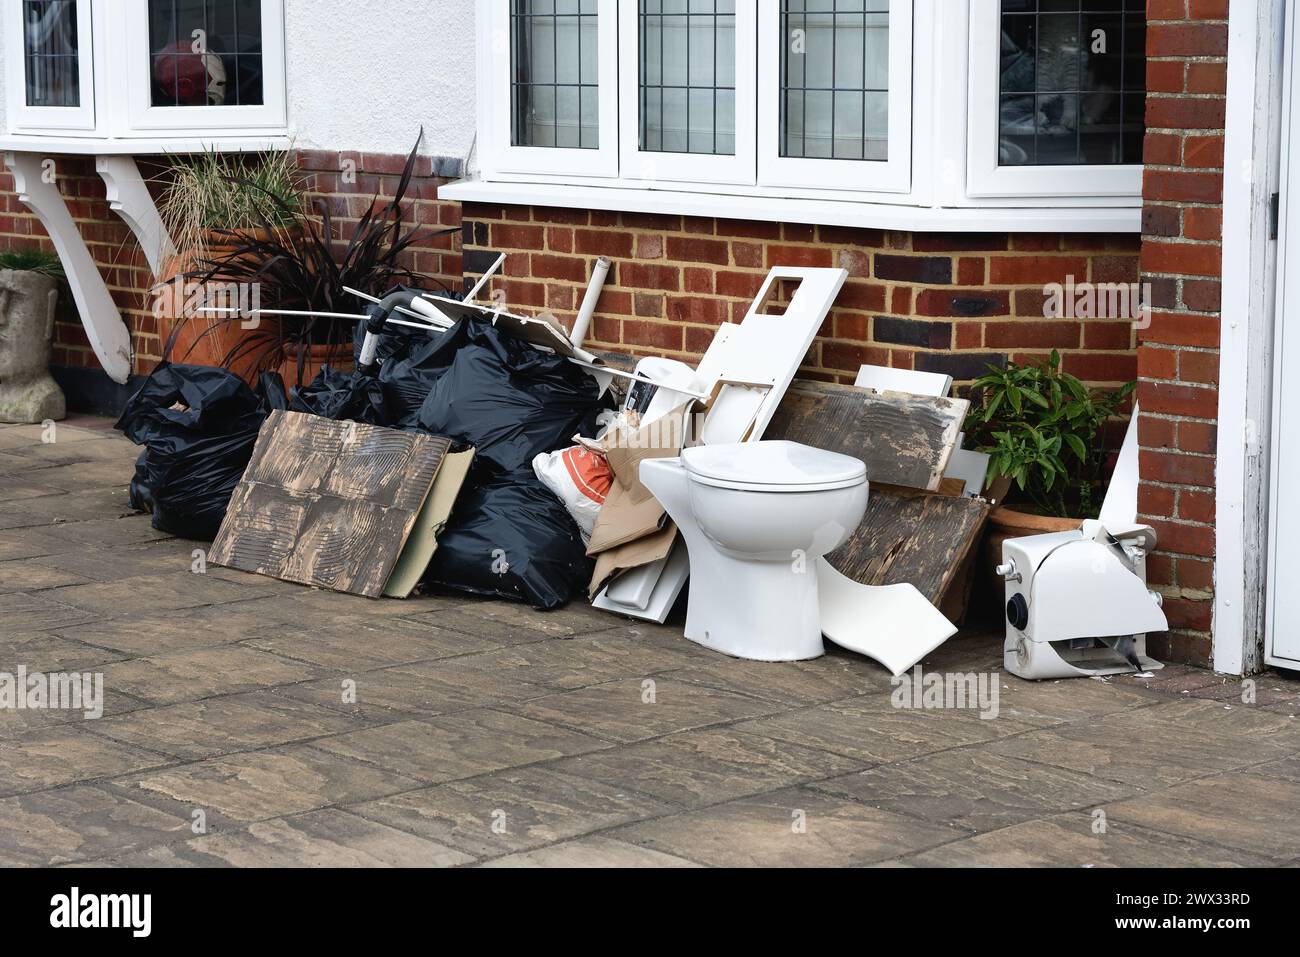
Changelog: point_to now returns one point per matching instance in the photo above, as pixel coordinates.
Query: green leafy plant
(1046, 431)
(32, 260)
(217, 193)
(296, 265)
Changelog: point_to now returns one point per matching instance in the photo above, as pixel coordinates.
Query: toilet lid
(773, 466)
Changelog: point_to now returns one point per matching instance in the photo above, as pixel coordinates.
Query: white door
(1282, 641)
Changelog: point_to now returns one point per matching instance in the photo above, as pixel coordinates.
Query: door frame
(1252, 169)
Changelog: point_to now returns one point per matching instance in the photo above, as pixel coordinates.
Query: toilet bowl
(756, 518)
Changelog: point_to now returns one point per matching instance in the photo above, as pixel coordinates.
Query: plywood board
(914, 538)
(906, 440)
(327, 503)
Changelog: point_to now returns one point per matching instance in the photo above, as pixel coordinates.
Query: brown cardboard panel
(326, 503)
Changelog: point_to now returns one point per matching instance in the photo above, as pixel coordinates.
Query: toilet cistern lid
(774, 465)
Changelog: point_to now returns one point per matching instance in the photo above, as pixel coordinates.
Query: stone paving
(483, 733)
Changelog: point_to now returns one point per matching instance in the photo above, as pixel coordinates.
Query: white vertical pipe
(583, 322)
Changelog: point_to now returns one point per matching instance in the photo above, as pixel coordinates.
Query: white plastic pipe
(588, 309)
(487, 276)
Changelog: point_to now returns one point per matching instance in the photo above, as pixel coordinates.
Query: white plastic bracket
(129, 198)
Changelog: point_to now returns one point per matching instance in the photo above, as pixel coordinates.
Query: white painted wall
(366, 76)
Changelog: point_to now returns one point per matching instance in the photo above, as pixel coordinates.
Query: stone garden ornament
(28, 393)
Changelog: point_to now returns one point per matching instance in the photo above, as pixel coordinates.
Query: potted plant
(1049, 438)
(298, 267)
(29, 295)
(211, 204)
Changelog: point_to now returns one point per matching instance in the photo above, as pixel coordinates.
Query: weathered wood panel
(912, 537)
(905, 440)
(327, 503)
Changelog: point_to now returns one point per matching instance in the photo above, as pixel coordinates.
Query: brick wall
(947, 303)
(1178, 361)
(347, 182)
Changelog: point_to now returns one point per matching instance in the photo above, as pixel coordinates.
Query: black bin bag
(510, 537)
(198, 425)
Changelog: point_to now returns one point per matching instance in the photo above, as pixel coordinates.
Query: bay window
(122, 69)
(943, 107)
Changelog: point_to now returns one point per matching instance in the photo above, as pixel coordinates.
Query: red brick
(959, 242)
(648, 305)
(1177, 469)
(969, 335)
(697, 309)
(749, 255)
(970, 271)
(698, 250)
(839, 355)
(656, 335)
(805, 256)
(603, 242)
(1162, 149)
(1193, 573)
(559, 239)
(1156, 500)
(697, 280)
(1184, 113)
(1181, 329)
(567, 268)
(856, 262)
(1203, 152)
(857, 295)
(1207, 10)
(1179, 186)
(1202, 295)
(649, 247)
(1158, 363)
(1196, 506)
(1023, 270)
(1188, 613)
(649, 276)
(1053, 334)
(1199, 437)
(1174, 399)
(739, 285)
(1156, 433)
(1161, 221)
(1187, 39)
(1101, 366)
(1203, 223)
(1207, 78)
(853, 326)
(1166, 9)
(515, 236)
(1192, 259)
(1201, 367)
(1166, 76)
(1107, 335)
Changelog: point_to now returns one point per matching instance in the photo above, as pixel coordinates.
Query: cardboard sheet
(423, 540)
(326, 503)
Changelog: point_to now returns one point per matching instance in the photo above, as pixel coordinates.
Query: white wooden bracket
(35, 184)
(129, 197)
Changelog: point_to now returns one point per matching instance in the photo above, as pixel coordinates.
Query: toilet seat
(772, 467)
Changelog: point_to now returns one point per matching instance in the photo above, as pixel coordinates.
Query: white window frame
(494, 71)
(142, 118)
(985, 177)
(647, 165)
(893, 175)
(35, 118)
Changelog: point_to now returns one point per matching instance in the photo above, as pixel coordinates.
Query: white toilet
(756, 518)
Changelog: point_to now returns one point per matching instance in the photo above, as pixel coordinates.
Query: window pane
(50, 48)
(1073, 81)
(206, 52)
(835, 79)
(688, 76)
(554, 74)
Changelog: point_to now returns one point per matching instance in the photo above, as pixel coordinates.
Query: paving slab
(512, 810)
(190, 675)
(1077, 840)
(259, 785)
(67, 754)
(601, 852)
(708, 767)
(458, 746)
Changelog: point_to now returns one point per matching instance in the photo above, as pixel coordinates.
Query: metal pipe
(583, 322)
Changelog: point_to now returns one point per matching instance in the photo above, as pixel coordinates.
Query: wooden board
(906, 440)
(912, 537)
(327, 503)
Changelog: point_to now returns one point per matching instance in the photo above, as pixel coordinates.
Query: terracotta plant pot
(339, 355)
(206, 339)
